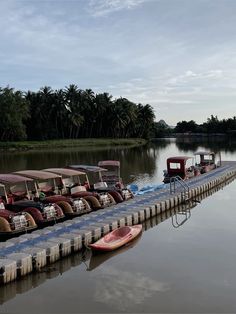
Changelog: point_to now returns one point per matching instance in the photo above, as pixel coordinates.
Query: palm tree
(145, 120)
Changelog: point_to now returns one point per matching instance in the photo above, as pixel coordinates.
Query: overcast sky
(177, 55)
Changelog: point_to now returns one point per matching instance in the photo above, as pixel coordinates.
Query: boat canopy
(104, 163)
(9, 178)
(87, 168)
(65, 172)
(204, 153)
(178, 159)
(37, 174)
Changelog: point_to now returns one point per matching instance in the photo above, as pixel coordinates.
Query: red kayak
(117, 238)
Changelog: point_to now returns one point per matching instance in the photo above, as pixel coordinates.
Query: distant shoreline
(195, 135)
(70, 143)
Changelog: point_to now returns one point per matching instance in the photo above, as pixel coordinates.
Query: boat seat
(77, 189)
(99, 185)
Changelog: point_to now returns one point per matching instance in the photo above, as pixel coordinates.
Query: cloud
(105, 7)
(190, 76)
(149, 51)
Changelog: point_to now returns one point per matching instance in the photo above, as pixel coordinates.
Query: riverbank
(55, 144)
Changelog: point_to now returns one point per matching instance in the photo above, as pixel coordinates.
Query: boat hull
(117, 238)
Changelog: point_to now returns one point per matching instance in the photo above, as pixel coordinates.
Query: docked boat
(50, 185)
(97, 259)
(205, 160)
(113, 179)
(117, 238)
(187, 167)
(181, 166)
(72, 186)
(18, 194)
(107, 195)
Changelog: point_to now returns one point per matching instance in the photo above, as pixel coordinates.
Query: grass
(87, 142)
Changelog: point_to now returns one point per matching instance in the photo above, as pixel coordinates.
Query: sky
(179, 56)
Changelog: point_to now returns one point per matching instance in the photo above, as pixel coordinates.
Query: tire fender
(30, 220)
(35, 213)
(66, 207)
(116, 196)
(112, 201)
(4, 225)
(59, 210)
(93, 201)
(88, 207)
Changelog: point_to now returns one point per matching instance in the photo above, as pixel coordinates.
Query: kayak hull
(117, 238)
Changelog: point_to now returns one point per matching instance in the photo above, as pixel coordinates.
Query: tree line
(212, 126)
(71, 113)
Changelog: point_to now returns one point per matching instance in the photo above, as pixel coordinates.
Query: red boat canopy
(204, 153)
(178, 159)
(104, 163)
(9, 178)
(87, 168)
(65, 172)
(37, 174)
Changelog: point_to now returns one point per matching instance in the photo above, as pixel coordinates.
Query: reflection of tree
(134, 160)
(189, 144)
(162, 143)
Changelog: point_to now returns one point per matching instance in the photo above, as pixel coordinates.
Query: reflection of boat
(118, 237)
(97, 259)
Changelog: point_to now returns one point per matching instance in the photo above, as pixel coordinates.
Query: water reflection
(97, 259)
(190, 144)
(34, 280)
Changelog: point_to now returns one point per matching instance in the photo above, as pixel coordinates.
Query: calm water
(181, 263)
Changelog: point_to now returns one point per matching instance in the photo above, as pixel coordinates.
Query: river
(181, 264)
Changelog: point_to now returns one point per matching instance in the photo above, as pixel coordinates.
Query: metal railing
(178, 181)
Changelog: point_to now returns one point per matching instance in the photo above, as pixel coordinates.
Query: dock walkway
(31, 252)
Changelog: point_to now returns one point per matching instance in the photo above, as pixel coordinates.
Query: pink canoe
(117, 238)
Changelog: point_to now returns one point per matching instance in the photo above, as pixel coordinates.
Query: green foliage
(71, 113)
(212, 126)
(161, 130)
(184, 126)
(13, 113)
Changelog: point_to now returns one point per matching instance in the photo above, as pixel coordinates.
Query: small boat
(98, 259)
(117, 238)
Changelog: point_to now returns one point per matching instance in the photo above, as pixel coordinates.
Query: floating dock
(31, 252)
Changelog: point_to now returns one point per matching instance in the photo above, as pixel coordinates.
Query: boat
(206, 161)
(97, 259)
(185, 167)
(18, 194)
(181, 166)
(113, 179)
(107, 196)
(13, 223)
(72, 186)
(49, 185)
(117, 238)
